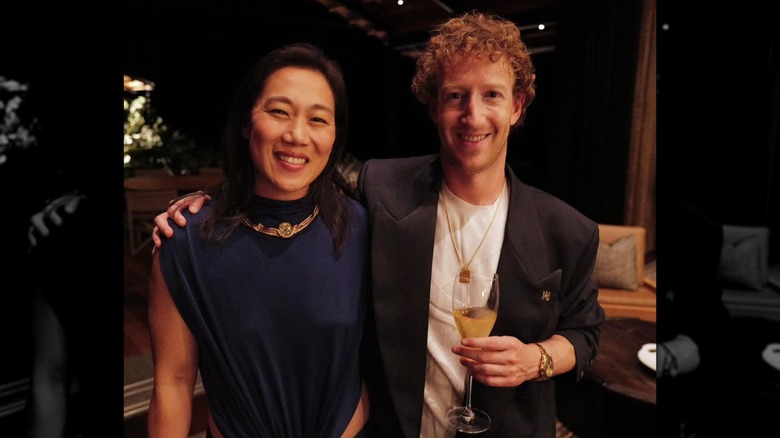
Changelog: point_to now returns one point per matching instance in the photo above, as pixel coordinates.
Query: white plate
(771, 355)
(647, 355)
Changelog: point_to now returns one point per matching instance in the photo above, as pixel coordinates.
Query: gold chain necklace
(285, 230)
(465, 273)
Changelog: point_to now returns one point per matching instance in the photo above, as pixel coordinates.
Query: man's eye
(492, 94)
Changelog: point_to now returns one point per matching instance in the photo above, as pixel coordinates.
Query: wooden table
(617, 367)
(616, 397)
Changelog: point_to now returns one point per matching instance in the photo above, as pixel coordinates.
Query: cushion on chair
(621, 257)
(616, 264)
(744, 257)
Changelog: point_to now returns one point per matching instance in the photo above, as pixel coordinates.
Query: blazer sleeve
(582, 314)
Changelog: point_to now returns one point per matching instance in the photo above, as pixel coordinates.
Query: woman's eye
(454, 96)
(276, 111)
(319, 120)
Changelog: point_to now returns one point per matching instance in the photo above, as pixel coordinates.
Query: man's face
(474, 111)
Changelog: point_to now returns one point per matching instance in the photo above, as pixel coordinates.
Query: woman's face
(291, 133)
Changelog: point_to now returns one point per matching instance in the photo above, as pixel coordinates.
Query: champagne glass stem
(468, 414)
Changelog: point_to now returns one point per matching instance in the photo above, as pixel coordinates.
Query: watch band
(545, 364)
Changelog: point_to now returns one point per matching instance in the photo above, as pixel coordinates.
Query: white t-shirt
(445, 377)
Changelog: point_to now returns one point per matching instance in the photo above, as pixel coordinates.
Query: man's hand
(51, 215)
(191, 201)
(677, 356)
(507, 361)
(499, 360)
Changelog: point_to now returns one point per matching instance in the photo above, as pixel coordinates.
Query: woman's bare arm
(175, 355)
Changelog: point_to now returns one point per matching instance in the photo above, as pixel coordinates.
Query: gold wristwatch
(545, 364)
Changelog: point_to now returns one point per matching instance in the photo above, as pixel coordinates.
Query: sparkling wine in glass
(474, 307)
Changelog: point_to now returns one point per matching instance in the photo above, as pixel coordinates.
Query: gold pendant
(465, 275)
(285, 230)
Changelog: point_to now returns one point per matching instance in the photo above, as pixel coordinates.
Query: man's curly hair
(475, 34)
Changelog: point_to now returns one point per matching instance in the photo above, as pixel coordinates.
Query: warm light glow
(400, 2)
(132, 84)
(541, 27)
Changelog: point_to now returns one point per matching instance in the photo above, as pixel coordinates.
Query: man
(461, 211)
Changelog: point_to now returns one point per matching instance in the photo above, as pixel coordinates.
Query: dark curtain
(773, 155)
(596, 50)
(719, 114)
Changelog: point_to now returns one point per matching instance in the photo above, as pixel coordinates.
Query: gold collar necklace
(465, 271)
(285, 230)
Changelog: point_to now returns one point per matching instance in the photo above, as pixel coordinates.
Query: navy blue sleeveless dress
(278, 322)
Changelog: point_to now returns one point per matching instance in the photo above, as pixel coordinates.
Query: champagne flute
(474, 307)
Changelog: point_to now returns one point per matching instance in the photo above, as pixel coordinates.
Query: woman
(266, 297)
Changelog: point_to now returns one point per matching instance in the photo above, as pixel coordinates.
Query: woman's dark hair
(232, 198)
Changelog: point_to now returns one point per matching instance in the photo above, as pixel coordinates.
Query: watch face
(548, 366)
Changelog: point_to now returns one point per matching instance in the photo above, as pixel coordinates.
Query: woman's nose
(296, 134)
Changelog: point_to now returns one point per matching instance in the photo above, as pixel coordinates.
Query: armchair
(626, 288)
(751, 287)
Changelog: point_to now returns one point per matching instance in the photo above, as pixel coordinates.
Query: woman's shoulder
(194, 220)
(353, 203)
(355, 206)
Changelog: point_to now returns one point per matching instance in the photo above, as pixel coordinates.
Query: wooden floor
(136, 285)
(137, 344)
(137, 349)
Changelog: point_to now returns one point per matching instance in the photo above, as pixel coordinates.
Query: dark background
(196, 54)
(717, 126)
(65, 55)
(574, 144)
(718, 113)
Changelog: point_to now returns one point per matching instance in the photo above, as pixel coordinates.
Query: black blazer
(548, 246)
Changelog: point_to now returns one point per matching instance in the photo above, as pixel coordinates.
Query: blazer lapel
(402, 250)
(524, 276)
(527, 284)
